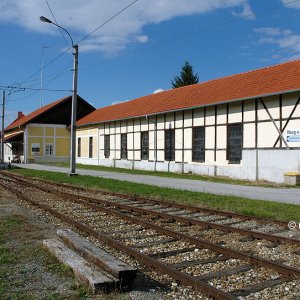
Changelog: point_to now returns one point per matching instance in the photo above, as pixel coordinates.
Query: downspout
(115, 150)
(25, 144)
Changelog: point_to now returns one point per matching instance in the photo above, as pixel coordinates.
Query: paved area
(288, 195)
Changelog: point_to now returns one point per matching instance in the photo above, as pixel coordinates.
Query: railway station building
(44, 134)
(244, 126)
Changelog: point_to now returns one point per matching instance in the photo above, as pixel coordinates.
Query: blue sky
(142, 49)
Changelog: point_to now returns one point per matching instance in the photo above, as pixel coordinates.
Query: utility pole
(2, 128)
(74, 98)
(74, 113)
(42, 74)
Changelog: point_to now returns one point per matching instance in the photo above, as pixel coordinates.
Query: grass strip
(258, 208)
(219, 179)
(24, 261)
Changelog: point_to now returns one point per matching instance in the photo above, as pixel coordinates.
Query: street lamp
(74, 99)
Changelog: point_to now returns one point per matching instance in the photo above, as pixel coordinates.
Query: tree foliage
(187, 76)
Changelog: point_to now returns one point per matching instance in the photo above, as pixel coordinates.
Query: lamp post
(74, 99)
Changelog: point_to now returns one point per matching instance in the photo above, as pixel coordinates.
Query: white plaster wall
(188, 118)
(179, 120)
(235, 112)
(124, 164)
(221, 114)
(274, 163)
(270, 166)
(198, 117)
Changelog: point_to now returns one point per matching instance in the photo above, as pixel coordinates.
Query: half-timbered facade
(245, 126)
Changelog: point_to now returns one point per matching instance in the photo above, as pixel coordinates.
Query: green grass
(20, 254)
(259, 208)
(174, 175)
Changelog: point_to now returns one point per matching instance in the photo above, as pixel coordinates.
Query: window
(198, 154)
(90, 147)
(145, 145)
(79, 147)
(123, 146)
(49, 149)
(35, 149)
(234, 143)
(106, 146)
(170, 144)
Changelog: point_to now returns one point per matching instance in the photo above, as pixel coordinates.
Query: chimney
(19, 114)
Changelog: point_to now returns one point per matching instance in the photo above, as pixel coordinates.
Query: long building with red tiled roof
(245, 126)
(283, 78)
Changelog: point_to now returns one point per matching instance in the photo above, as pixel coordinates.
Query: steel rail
(183, 278)
(165, 203)
(280, 268)
(186, 220)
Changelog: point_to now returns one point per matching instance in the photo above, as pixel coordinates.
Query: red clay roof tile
(271, 80)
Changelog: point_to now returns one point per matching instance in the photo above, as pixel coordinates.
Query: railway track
(197, 247)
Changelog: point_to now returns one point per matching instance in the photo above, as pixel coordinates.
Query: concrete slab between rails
(283, 195)
(125, 273)
(97, 280)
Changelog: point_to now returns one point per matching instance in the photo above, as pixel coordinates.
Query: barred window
(145, 145)
(198, 154)
(91, 147)
(107, 146)
(79, 147)
(170, 144)
(234, 143)
(124, 146)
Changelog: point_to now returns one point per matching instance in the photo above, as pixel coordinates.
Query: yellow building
(43, 135)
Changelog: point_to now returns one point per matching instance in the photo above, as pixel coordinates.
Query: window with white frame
(49, 149)
(35, 148)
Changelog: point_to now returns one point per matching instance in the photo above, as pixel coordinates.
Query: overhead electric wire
(36, 89)
(35, 92)
(57, 23)
(85, 37)
(48, 76)
(187, 35)
(153, 46)
(110, 19)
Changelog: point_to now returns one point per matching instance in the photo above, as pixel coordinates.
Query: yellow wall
(63, 147)
(35, 131)
(62, 132)
(85, 134)
(48, 134)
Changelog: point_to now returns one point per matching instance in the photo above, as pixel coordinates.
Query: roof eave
(193, 107)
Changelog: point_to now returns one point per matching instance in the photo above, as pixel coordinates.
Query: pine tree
(186, 77)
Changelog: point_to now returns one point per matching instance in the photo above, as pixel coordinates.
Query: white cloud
(158, 91)
(291, 5)
(142, 38)
(81, 17)
(118, 102)
(286, 41)
(246, 12)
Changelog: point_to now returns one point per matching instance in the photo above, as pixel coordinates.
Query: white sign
(293, 135)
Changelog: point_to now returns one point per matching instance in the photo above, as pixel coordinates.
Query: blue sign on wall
(293, 135)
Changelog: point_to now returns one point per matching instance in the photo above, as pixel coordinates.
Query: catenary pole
(74, 98)
(74, 113)
(2, 128)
